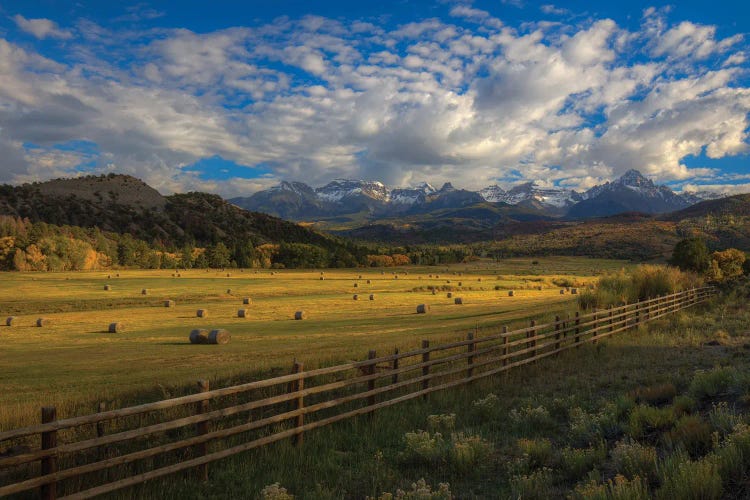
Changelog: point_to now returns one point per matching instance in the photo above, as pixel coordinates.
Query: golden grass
(74, 362)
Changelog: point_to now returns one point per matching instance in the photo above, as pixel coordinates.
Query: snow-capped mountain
(339, 189)
(631, 192)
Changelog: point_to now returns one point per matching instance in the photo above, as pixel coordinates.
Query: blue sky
(232, 97)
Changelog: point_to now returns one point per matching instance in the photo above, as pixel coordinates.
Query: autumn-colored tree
(729, 262)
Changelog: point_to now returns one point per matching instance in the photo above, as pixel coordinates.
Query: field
(73, 362)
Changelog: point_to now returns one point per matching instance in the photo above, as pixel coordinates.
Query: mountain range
(344, 197)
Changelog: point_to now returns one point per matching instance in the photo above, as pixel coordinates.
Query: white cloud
(316, 98)
(41, 28)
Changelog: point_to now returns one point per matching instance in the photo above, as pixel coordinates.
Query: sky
(233, 97)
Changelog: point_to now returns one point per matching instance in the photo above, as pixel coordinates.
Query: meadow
(73, 362)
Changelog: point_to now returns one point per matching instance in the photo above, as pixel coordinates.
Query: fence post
(505, 346)
(299, 403)
(425, 369)
(201, 428)
(470, 359)
(637, 314)
(578, 328)
(530, 335)
(611, 327)
(394, 380)
(596, 325)
(371, 383)
(557, 334)
(100, 424)
(49, 464)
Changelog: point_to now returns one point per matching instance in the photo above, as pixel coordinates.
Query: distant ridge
(342, 197)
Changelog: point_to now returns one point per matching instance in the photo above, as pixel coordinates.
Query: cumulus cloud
(41, 28)
(311, 99)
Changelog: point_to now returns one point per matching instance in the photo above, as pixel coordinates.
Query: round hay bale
(247, 300)
(179, 275)
(395, 277)
(218, 337)
(228, 275)
(202, 313)
(434, 291)
(229, 291)
(107, 288)
(368, 282)
(574, 291)
(116, 327)
(458, 300)
(372, 296)
(460, 283)
(360, 277)
(355, 297)
(109, 276)
(382, 273)
(117, 275)
(169, 303)
(300, 315)
(479, 279)
(430, 276)
(243, 313)
(437, 276)
(322, 273)
(322, 278)
(449, 295)
(511, 293)
(562, 291)
(199, 336)
(356, 285)
(423, 308)
(42, 322)
(144, 291)
(539, 288)
(10, 320)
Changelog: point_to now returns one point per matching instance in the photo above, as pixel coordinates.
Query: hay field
(74, 362)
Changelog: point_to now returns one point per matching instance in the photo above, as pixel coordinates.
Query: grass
(74, 363)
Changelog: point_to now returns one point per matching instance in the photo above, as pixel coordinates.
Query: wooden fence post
(557, 334)
(201, 428)
(470, 360)
(505, 347)
(299, 403)
(611, 327)
(371, 383)
(49, 464)
(578, 328)
(425, 369)
(596, 325)
(394, 380)
(530, 335)
(637, 314)
(100, 424)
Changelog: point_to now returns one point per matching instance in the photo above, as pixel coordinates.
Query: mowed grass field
(74, 362)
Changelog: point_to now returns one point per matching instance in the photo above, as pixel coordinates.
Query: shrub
(690, 480)
(537, 452)
(723, 419)
(619, 489)
(423, 447)
(420, 491)
(632, 459)
(531, 419)
(653, 281)
(587, 428)
(692, 434)
(275, 492)
(468, 452)
(711, 383)
(691, 254)
(487, 407)
(536, 485)
(683, 405)
(576, 462)
(655, 394)
(444, 423)
(563, 282)
(733, 458)
(645, 421)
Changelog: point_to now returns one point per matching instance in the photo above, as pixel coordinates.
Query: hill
(125, 205)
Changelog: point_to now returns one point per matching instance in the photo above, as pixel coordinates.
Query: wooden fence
(89, 455)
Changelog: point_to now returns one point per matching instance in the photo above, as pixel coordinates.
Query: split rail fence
(89, 455)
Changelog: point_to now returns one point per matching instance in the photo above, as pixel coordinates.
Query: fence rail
(76, 456)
